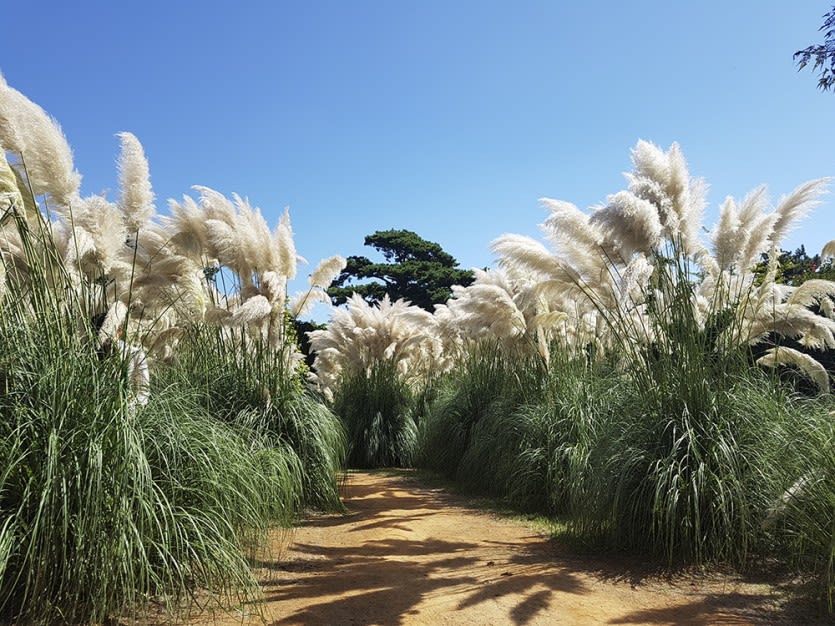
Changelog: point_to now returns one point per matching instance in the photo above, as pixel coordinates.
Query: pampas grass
(377, 409)
(109, 506)
(245, 382)
(106, 505)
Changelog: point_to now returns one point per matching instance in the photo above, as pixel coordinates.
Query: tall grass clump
(373, 361)
(802, 514)
(244, 383)
(377, 409)
(241, 349)
(486, 382)
(558, 433)
(105, 505)
(108, 501)
(679, 470)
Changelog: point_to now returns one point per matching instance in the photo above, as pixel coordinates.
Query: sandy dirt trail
(411, 554)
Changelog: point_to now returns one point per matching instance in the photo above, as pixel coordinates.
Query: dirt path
(408, 554)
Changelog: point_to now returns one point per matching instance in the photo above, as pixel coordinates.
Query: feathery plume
(113, 321)
(321, 278)
(327, 271)
(254, 235)
(630, 224)
(253, 310)
(137, 198)
(524, 254)
(662, 179)
(102, 221)
(285, 246)
(302, 303)
(796, 205)
(806, 364)
(9, 193)
(812, 292)
(187, 222)
(274, 286)
(724, 235)
(26, 129)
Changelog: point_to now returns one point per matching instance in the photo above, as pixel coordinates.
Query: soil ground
(406, 553)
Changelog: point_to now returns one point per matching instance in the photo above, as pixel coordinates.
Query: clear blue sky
(447, 117)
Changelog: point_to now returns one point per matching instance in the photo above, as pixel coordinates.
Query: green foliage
(685, 479)
(414, 269)
(376, 408)
(244, 381)
(822, 54)
(804, 515)
(795, 268)
(558, 433)
(486, 383)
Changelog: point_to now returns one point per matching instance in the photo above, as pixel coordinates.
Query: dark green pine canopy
(416, 270)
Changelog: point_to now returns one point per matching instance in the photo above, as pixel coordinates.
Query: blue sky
(450, 118)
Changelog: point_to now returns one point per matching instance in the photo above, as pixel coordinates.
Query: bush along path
(405, 553)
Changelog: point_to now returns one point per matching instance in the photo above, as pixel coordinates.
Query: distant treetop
(417, 270)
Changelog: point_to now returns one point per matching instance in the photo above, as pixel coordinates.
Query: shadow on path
(408, 554)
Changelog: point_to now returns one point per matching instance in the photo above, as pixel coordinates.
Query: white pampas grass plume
(828, 251)
(223, 242)
(742, 232)
(327, 271)
(753, 206)
(187, 222)
(25, 128)
(754, 241)
(81, 250)
(724, 235)
(102, 221)
(579, 242)
(215, 205)
(527, 255)
(254, 235)
(486, 306)
(12, 102)
(321, 278)
(805, 363)
(550, 319)
(137, 198)
(812, 292)
(635, 280)
(253, 310)
(662, 179)
(303, 302)
(216, 315)
(273, 287)
(285, 246)
(568, 228)
(796, 205)
(362, 334)
(630, 224)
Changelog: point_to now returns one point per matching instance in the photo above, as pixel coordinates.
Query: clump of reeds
(105, 504)
(110, 502)
(676, 454)
(372, 360)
